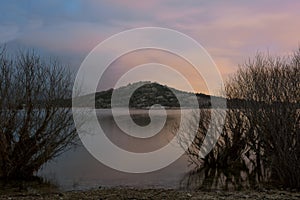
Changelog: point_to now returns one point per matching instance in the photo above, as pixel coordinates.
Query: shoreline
(115, 193)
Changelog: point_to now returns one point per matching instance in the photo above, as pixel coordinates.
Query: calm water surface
(77, 169)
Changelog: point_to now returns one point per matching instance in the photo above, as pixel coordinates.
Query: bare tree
(270, 87)
(229, 157)
(34, 128)
(262, 129)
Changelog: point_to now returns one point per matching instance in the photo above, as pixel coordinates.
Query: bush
(33, 128)
(261, 135)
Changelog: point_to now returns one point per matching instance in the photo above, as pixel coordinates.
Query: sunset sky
(231, 31)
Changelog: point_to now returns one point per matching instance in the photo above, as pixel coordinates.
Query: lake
(77, 169)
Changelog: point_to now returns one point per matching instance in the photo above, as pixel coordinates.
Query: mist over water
(77, 169)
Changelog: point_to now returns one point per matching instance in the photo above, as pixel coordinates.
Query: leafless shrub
(33, 127)
(270, 86)
(261, 131)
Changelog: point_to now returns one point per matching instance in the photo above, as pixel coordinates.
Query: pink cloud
(71, 37)
(230, 31)
(130, 4)
(133, 59)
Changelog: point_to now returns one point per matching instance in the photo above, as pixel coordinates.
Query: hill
(145, 95)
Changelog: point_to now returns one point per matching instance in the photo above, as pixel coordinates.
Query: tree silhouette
(33, 127)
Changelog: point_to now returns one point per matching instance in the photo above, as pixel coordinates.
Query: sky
(230, 31)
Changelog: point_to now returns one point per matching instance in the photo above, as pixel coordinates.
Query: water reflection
(77, 169)
(212, 178)
(140, 117)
